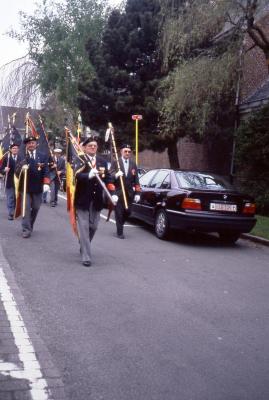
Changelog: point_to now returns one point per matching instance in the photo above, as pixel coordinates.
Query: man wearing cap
(8, 169)
(57, 170)
(128, 171)
(35, 165)
(89, 196)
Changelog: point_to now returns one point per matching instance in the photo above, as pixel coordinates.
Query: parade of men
(89, 196)
(8, 170)
(33, 174)
(128, 171)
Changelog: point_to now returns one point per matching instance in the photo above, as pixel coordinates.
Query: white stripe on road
(30, 369)
(104, 217)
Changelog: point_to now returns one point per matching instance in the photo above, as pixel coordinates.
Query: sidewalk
(27, 371)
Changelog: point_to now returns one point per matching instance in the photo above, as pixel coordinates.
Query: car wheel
(229, 237)
(161, 224)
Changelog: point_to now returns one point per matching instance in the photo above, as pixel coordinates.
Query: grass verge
(262, 227)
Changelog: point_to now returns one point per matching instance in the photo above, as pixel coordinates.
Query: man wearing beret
(35, 165)
(89, 196)
(8, 169)
(57, 170)
(128, 171)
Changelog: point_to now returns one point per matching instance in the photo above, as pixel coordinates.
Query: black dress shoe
(10, 217)
(86, 263)
(53, 204)
(26, 235)
(121, 236)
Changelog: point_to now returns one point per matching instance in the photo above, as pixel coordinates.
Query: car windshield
(196, 180)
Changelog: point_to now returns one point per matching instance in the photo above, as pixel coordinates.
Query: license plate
(223, 207)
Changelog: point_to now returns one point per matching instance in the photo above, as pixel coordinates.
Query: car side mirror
(165, 185)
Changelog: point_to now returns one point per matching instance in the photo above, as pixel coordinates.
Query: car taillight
(249, 208)
(191, 204)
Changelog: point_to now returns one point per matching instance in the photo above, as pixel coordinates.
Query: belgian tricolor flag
(74, 162)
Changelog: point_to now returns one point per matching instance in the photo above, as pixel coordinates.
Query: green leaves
(127, 70)
(252, 157)
(57, 34)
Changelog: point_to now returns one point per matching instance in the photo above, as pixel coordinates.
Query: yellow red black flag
(73, 163)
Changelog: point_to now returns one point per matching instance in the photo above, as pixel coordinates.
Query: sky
(11, 49)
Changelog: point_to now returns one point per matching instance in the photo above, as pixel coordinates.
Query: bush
(252, 158)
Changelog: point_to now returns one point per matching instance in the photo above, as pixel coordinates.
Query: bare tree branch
(262, 34)
(18, 84)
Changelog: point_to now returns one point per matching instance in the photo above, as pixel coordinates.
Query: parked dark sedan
(193, 201)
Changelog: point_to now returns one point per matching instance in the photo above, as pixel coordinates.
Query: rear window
(195, 180)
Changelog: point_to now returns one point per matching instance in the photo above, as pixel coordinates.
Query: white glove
(93, 172)
(137, 198)
(46, 188)
(118, 174)
(114, 198)
(25, 167)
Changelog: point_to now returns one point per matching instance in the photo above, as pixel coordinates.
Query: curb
(256, 239)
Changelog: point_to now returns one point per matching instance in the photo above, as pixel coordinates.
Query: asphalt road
(186, 319)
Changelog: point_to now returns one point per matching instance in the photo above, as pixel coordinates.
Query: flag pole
(8, 156)
(25, 170)
(110, 127)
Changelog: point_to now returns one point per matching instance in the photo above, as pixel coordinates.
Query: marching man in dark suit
(8, 169)
(128, 170)
(57, 169)
(36, 165)
(89, 196)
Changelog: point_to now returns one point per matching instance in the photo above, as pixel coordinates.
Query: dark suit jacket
(90, 190)
(131, 181)
(38, 173)
(8, 161)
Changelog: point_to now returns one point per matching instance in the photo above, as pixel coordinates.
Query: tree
(56, 35)
(244, 17)
(198, 92)
(252, 157)
(127, 69)
(19, 83)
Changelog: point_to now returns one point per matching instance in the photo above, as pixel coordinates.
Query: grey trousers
(87, 221)
(11, 200)
(33, 203)
(54, 188)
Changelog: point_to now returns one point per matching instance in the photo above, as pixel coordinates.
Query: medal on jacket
(39, 166)
(102, 171)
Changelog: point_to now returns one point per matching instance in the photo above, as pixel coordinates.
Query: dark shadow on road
(189, 238)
